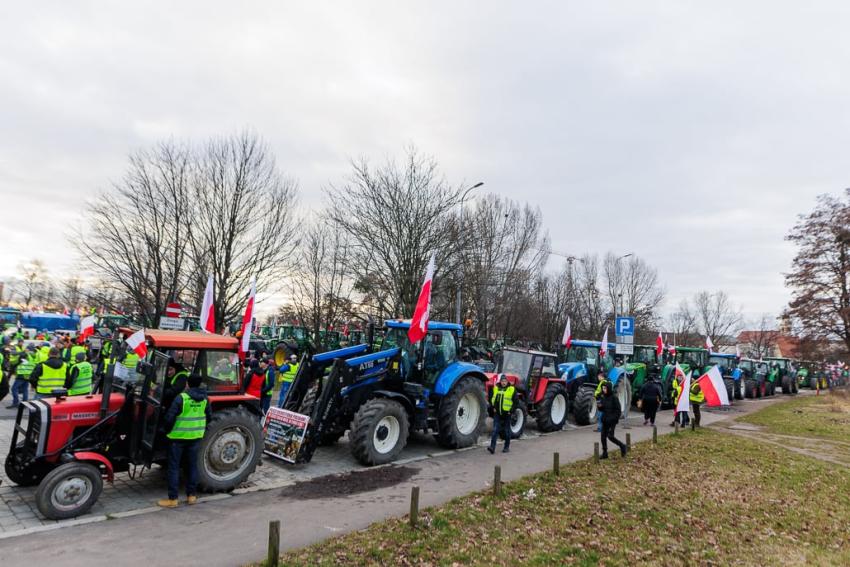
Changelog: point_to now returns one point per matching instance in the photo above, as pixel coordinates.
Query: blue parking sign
(625, 326)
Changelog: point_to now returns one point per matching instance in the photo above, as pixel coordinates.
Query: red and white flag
(659, 345)
(86, 327)
(713, 387)
(422, 313)
(568, 335)
(603, 349)
(345, 330)
(683, 401)
(208, 308)
(248, 321)
(708, 344)
(136, 341)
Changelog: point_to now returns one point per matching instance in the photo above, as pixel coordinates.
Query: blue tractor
(381, 397)
(583, 364)
(733, 377)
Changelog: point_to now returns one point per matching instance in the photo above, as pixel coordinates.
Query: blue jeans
(20, 391)
(501, 424)
(598, 420)
(284, 388)
(176, 450)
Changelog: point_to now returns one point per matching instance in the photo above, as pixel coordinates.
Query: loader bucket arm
(346, 374)
(312, 369)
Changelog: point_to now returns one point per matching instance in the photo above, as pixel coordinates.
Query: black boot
(604, 456)
(623, 450)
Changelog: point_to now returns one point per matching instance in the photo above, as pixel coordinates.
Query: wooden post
(556, 463)
(677, 427)
(414, 506)
(693, 425)
(596, 451)
(497, 480)
(654, 435)
(274, 544)
(629, 440)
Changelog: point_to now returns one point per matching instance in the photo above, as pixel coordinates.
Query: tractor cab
(440, 349)
(108, 324)
(64, 442)
(642, 365)
(783, 372)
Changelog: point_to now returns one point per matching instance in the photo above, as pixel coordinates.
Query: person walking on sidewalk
(650, 399)
(185, 424)
(610, 406)
(598, 395)
(502, 403)
(697, 397)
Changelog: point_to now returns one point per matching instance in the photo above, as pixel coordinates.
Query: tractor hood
(67, 414)
(572, 370)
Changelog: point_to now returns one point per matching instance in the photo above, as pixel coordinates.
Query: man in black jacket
(611, 411)
(650, 399)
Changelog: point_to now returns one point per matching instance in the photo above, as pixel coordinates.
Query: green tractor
(642, 365)
(756, 378)
(807, 375)
(690, 360)
(783, 372)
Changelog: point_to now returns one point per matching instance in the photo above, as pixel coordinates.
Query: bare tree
(682, 323)
(137, 236)
(820, 271)
(762, 340)
(716, 317)
(32, 282)
(71, 293)
(395, 216)
(633, 289)
(244, 224)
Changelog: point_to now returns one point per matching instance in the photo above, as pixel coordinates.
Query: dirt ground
(355, 482)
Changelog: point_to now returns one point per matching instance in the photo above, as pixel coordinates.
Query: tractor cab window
(222, 367)
(644, 355)
(721, 361)
(515, 363)
(440, 351)
(536, 366)
(550, 370)
(585, 355)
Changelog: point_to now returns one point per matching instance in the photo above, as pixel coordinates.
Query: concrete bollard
(629, 440)
(414, 506)
(556, 463)
(596, 451)
(654, 435)
(274, 544)
(497, 481)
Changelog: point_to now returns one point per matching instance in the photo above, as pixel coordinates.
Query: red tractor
(541, 393)
(69, 445)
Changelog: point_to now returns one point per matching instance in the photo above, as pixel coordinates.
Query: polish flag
(136, 341)
(208, 308)
(713, 387)
(708, 344)
(603, 350)
(248, 321)
(684, 399)
(568, 335)
(345, 330)
(86, 327)
(422, 313)
(659, 345)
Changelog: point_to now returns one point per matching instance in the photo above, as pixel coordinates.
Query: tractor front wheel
(552, 409)
(69, 490)
(379, 431)
(584, 407)
(230, 450)
(461, 414)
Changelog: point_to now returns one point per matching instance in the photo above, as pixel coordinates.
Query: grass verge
(701, 497)
(823, 417)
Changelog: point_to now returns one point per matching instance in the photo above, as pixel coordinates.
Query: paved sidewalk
(233, 530)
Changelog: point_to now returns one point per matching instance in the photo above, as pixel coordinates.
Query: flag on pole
(86, 327)
(737, 351)
(713, 387)
(248, 321)
(603, 350)
(708, 344)
(568, 335)
(659, 345)
(422, 313)
(208, 308)
(136, 341)
(683, 401)
(345, 330)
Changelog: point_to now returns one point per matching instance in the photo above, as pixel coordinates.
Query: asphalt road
(234, 530)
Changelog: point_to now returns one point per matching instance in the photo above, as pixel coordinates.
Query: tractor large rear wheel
(739, 389)
(552, 409)
(69, 490)
(750, 387)
(813, 382)
(230, 450)
(461, 414)
(786, 385)
(584, 408)
(379, 431)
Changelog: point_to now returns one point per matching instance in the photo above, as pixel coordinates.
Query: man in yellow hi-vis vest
(502, 402)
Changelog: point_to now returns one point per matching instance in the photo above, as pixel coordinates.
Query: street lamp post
(618, 295)
(463, 243)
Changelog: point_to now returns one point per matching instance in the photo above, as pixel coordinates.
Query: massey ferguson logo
(84, 415)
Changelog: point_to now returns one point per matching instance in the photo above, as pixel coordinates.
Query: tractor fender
(399, 397)
(454, 372)
(97, 459)
(542, 384)
(615, 374)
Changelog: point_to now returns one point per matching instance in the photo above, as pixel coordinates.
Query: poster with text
(283, 433)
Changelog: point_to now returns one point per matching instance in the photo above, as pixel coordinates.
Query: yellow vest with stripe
(42, 354)
(51, 378)
(26, 366)
(76, 349)
(289, 375)
(131, 360)
(192, 421)
(82, 383)
(503, 398)
(696, 395)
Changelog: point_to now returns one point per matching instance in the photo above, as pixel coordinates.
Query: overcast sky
(689, 133)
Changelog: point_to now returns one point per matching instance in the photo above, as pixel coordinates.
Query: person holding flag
(697, 397)
(682, 387)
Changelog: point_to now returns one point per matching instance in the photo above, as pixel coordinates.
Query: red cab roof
(186, 339)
